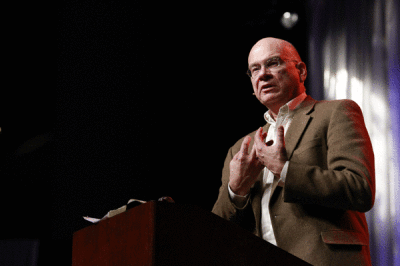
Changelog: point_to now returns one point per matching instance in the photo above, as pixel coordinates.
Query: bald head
(275, 85)
(277, 46)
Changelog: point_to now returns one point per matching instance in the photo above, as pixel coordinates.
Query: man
(305, 179)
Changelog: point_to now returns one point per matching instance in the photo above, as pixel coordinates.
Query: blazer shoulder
(328, 106)
(336, 103)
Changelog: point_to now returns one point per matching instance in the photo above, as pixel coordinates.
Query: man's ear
(301, 66)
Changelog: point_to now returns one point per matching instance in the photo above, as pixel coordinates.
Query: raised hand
(244, 169)
(273, 156)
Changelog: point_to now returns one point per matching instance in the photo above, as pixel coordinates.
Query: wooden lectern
(162, 233)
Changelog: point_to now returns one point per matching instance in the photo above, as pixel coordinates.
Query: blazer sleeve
(347, 181)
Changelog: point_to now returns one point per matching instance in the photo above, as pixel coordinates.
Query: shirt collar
(286, 109)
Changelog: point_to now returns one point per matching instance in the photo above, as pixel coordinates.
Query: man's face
(277, 86)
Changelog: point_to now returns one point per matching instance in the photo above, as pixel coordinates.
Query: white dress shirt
(284, 118)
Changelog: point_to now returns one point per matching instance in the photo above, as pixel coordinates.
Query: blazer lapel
(292, 137)
(298, 125)
(296, 129)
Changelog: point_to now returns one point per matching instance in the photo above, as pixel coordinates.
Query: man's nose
(265, 73)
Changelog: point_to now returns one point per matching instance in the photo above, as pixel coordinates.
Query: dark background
(148, 100)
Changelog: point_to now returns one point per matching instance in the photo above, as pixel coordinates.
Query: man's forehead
(267, 48)
(261, 53)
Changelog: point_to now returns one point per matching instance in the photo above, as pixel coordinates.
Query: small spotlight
(286, 15)
(289, 20)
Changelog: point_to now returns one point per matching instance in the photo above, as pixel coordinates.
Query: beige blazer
(318, 215)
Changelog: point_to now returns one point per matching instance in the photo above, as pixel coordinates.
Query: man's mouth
(266, 88)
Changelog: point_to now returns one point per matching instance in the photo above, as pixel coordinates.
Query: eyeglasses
(272, 64)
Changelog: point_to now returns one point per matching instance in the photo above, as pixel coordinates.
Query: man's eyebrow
(250, 66)
(256, 63)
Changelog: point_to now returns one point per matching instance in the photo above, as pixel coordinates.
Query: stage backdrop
(354, 54)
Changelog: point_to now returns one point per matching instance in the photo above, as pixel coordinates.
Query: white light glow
(357, 91)
(341, 84)
(331, 90)
(289, 20)
(326, 79)
(286, 15)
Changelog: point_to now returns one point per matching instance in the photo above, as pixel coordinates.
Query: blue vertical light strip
(382, 236)
(393, 28)
(378, 51)
(394, 102)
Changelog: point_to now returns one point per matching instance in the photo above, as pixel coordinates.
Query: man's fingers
(264, 135)
(258, 137)
(281, 136)
(253, 153)
(244, 149)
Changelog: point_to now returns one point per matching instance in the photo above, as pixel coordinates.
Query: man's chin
(267, 99)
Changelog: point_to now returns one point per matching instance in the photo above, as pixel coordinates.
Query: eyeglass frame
(280, 61)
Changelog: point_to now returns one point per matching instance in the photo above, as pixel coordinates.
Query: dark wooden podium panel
(161, 233)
